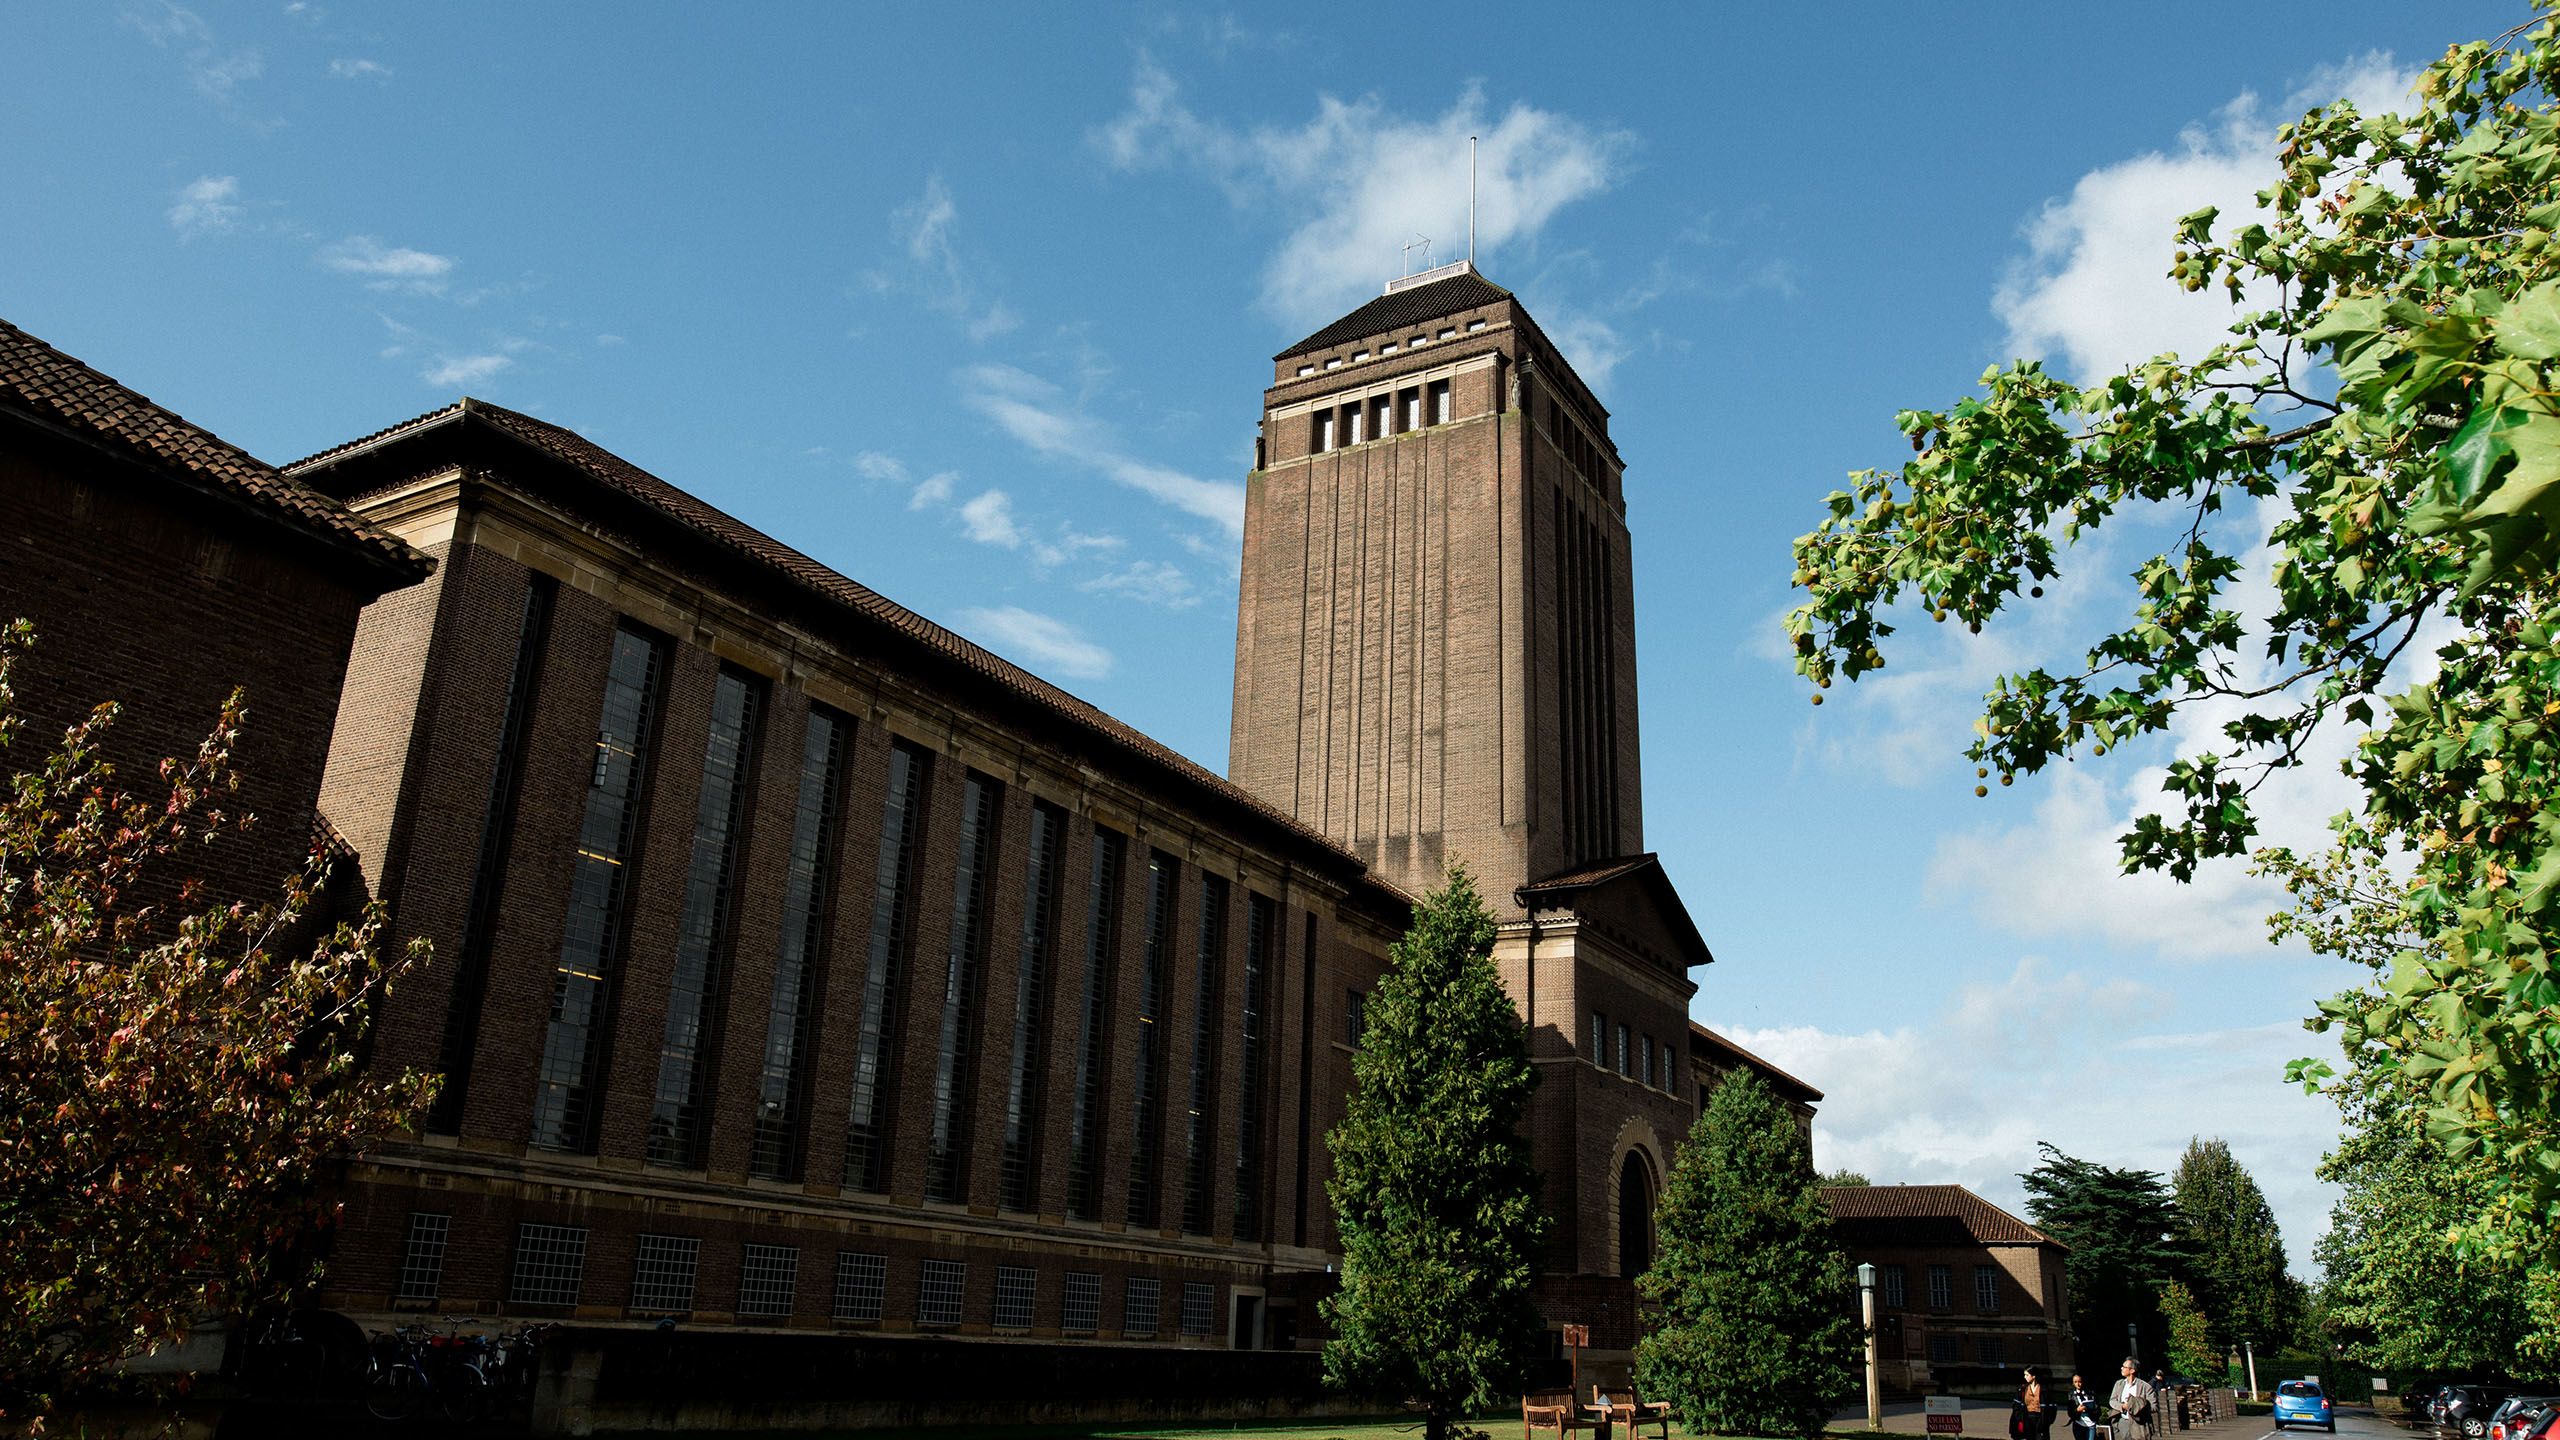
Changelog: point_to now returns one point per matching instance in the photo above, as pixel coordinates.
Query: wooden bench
(1551, 1410)
(1622, 1407)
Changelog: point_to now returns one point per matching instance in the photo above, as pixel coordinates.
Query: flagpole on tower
(1471, 200)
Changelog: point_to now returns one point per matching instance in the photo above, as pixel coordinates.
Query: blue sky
(976, 306)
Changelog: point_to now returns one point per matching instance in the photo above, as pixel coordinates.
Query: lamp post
(1867, 1307)
(2253, 1368)
(2133, 1343)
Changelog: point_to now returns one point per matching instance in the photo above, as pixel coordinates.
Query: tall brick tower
(1435, 648)
(1435, 661)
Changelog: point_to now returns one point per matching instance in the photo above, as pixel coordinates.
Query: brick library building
(807, 973)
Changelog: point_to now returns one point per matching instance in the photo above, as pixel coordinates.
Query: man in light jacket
(2132, 1401)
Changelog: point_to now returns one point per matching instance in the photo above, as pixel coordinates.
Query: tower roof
(1399, 308)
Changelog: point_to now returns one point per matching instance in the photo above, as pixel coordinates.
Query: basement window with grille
(768, 1279)
(551, 1261)
(422, 1257)
(1080, 1312)
(662, 1274)
(938, 1292)
(1016, 1287)
(862, 1283)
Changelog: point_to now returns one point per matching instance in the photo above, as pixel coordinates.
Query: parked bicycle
(416, 1369)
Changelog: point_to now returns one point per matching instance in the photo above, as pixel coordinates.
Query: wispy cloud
(1149, 582)
(1894, 1108)
(2092, 293)
(453, 370)
(926, 230)
(1366, 180)
(216, 71)
(1041, 643)
(388, 267)
(348, 67)
(209, 205)
(1043, 417)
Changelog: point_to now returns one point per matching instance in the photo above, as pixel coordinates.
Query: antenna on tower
(1421, 243)
(1471, 199)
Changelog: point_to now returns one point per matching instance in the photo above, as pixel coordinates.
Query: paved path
(1989, 1420)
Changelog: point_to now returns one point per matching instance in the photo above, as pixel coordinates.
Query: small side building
(1966, 1293)
(162, 566)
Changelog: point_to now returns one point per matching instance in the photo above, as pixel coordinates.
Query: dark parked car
(2467, 1408)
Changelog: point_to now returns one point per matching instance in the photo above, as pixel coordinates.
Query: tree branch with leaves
(2408, 258)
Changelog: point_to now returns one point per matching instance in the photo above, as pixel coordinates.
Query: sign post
(1944, 1413)
(1576, 1337)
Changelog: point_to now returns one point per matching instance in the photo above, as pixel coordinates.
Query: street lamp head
(1866, 1277)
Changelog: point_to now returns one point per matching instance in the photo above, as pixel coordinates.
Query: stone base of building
(609, 1381)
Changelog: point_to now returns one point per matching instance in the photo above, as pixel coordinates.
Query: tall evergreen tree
(1432, 1185)
(2190, 1346)
(1757, 1335)
(2122, 1227)
(2235, 1261)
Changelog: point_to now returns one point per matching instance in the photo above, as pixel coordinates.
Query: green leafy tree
(1850, 1178)
(172, 1080)
(2408, 258)
(2191, 1349)
(2397, 1290)
(1432, 1185)
(2235, 1253)
(2122, 1227)
(1757, 1334)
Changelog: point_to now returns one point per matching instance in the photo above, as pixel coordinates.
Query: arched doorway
(1635, 1216)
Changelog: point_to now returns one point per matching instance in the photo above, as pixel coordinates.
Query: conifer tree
(1758, 1334)
(1432, 1185)
(2236, 1254)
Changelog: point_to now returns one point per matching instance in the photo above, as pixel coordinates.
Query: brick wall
(144, 595)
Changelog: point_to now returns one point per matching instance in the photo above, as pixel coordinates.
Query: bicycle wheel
(462, 1391)
(395, 1392)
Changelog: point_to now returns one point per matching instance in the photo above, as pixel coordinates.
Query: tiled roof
(1403, 308)
(56, 389)
(605, 468)
(1716, 1041)
(1597, 873)
(1925, 1215)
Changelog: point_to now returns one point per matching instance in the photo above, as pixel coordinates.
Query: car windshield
(2301, 1388)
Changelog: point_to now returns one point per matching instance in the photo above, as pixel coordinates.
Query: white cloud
(2059, 872)
(1041, 643)
(932, 491)
(358, 68)
(216, 71)
(2092, 293)
(1041, 416)
(452, 370)
(1361, 181)
(925, 228)
(1150, 582)
(388, 267)
(207, 206)
(2070, 1057)
(988, 519)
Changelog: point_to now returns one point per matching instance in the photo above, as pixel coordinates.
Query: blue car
(2302, 1402)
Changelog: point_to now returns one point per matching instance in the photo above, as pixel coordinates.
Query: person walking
(2132, 1402)
(2031, 1414)
(2083, 1407)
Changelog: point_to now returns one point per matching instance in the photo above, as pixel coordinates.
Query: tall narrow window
(946, 1171)
(1351, 422)
(1261, 942)
(866, 1138)
(489, 875)
(1101, 974)
(1200, 1123)
(1410, 403)
(1023, 1091)
(1599, 1039)
(1439, 398)
(782, 1085)
(1942, 1288)
(1321, 438)
(564, 1095)
(1626, 1055)
(1986, 1289)
(1378, 418)
(687, 1057)
(1146, 1120)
